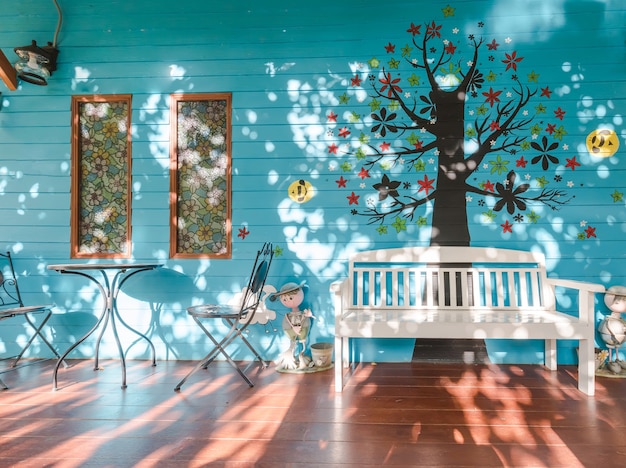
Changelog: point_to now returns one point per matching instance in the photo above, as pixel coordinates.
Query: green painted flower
(499, 166)
(399, 224)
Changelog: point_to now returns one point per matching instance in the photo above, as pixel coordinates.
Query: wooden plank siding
(287, 64)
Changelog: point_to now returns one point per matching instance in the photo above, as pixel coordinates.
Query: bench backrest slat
(413, 278)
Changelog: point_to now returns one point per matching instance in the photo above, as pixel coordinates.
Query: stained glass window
(101, 176)
(200, 175)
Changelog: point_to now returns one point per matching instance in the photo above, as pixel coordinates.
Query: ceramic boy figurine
(296, 324)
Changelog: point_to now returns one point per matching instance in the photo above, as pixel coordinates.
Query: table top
(103, 266)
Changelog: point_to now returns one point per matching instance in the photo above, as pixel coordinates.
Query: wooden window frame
(77, 155)
(215, 250)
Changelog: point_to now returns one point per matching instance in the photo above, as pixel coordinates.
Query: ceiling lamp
(36, 64)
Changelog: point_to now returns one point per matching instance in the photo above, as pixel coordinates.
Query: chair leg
(220, 348)
(190, 373)
(240, 333)
(206, 360)
(36, 334)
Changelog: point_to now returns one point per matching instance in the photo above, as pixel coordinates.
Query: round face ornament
(615, 299)
(292, 299)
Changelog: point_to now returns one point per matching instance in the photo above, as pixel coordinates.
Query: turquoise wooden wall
(289, 65)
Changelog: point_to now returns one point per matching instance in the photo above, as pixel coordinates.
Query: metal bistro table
(110, 288)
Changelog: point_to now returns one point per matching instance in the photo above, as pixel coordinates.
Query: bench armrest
(335, 286)
(337, 290)
(580, 285)
(586, 293)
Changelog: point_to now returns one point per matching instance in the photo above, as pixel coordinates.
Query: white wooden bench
(460, 293)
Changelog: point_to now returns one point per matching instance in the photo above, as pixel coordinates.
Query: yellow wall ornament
(301, 191)
(602, 142)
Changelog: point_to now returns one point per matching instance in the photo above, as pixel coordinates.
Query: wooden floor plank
(409, 414)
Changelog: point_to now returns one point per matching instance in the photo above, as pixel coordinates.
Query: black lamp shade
(36, 64)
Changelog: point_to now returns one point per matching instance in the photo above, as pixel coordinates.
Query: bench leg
(550, 354)
(586, 367)
(339, 360)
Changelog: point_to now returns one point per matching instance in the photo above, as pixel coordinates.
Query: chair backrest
(258, 276)
(9, 290)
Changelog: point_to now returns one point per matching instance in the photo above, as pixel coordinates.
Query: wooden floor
(413, 414)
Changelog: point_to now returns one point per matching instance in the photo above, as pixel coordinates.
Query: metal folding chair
(236, 317)
(11, 305)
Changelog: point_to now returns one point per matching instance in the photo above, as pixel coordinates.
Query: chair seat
(7, 313)
(214, 311)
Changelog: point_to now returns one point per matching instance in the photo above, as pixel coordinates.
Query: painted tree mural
(442, 120)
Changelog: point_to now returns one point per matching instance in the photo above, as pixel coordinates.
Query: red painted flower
(392, 84)
(243, 232)
(507, 227)
(493, 45)
(590, 231)
(364, 173)
(353, 199)
(559, 113)
(344, 132)
(414, 30)
(492, 96)
(433, 30)
(572, 163)
(332, 117)
(512, 60)
(426, 184)
(341, 182)
(332, 149)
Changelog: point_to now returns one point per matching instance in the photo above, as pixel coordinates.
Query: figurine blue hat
(286, 289)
